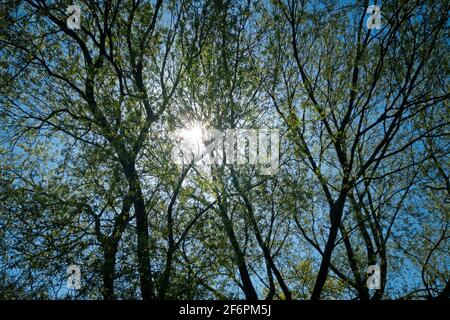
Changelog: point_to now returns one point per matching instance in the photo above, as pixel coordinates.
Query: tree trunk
(335, 217)
(145, 273)
(262, 244)
(249, 290)
(165, 281)
(108, 269)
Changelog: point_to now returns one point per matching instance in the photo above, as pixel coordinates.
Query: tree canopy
(90, 117)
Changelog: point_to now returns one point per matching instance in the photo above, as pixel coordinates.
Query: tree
(91, 118)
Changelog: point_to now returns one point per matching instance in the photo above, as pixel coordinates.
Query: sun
(192, 136)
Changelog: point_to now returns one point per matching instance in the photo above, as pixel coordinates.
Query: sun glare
(193, 136)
